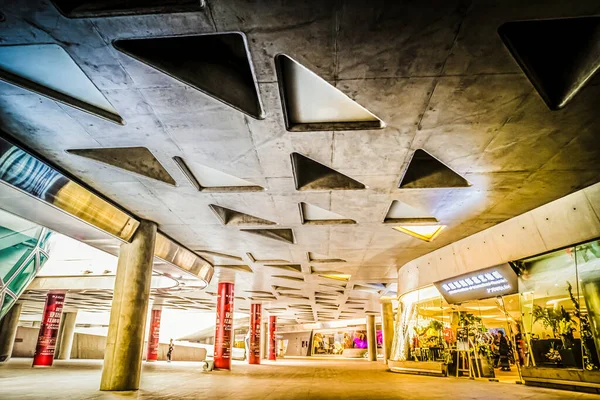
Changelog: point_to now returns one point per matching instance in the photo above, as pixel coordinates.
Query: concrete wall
(86, 346)
(572, 219)
(295, 339)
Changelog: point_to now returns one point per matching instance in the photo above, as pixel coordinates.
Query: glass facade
(23, 251)
(560, 299)
(552, 322)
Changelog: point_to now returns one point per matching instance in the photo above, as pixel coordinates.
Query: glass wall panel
(20, 242)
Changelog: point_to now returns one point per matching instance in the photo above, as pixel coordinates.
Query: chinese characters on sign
(224, 327)
(44, 351)
(489, 282)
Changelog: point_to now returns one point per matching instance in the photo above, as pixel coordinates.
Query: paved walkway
(284, 379)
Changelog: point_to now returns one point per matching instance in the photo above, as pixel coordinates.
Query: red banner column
(254, 350)
(153, 335)
(272, 338)
(224, 327)
(44, 351)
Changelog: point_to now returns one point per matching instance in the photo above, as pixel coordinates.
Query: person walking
(170, 352)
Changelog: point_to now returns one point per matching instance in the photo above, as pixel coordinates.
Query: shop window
(560, 294)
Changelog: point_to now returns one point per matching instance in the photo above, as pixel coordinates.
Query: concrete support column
(387, 328)
(125, 340)
(8, 331)
(66, 338)
(255, 322)
(264, 339)
(48, 333)
(272, 337)
(371, 338)
(224, 326)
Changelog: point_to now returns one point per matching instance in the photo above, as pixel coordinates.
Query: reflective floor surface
(283, 379)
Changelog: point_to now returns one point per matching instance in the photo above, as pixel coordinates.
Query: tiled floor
(284, 379)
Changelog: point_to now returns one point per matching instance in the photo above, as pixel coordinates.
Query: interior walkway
(284, 379)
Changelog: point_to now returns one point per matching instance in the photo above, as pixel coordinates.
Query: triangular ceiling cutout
(289, 278)
(423, 232)
(400, 212)
(312, 175)
(287, 267)
(283, 235)
(310, 103)
(266, 260)
(216, 254)
(313, 215)
(318, 258)
(209, 179)
(217, 64)
(559, 56)
(228, 216)
(426, 171)
(95, 8)
(48, 70)
(138, 160)
(242, 268)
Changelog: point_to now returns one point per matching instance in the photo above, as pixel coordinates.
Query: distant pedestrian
(170, 352)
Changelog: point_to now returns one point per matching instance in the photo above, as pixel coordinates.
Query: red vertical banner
(224, 326)
(153, 335)
(44, 351)
(254, 347)
(272, 338)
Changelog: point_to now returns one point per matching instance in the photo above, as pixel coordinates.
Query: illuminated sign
(489, 282)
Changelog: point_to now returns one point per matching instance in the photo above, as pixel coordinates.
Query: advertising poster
(272, 338)
(224, 326)
(153, 335)
(44, 351)
(254, 347)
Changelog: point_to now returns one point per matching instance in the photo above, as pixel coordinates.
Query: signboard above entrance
(494, 281)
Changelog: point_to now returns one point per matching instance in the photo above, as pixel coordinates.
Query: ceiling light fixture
(423, 232)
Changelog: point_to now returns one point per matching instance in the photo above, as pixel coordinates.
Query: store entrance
(487, 332)
(479, 339)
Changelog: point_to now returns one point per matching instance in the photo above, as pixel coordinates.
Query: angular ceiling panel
(559, 56)
(313, 215)
(218, 65)
(289, 278)
(242, 268)
(94, 8)
(312, 175)
(138, 160)
(400, 212)
(287, 267)
(318, 258)
(310, 103)
(228, 216)
(426, 171)
(48, 70)
(209, 179)
(283, 235)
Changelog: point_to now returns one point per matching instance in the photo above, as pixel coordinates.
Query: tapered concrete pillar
(224, 326)
(255, 323)
(8, 331)
(66, 337)
(371, 338)
(387, 328)
(125, 340)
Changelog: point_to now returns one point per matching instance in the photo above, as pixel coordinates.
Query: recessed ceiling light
(423, 232)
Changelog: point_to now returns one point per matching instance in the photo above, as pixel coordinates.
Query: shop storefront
(535, 320)
(351, 343)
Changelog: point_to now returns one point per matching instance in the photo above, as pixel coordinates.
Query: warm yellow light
(339, 277)
(423, 232)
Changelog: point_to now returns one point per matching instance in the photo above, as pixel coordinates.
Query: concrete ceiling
(435, 72)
